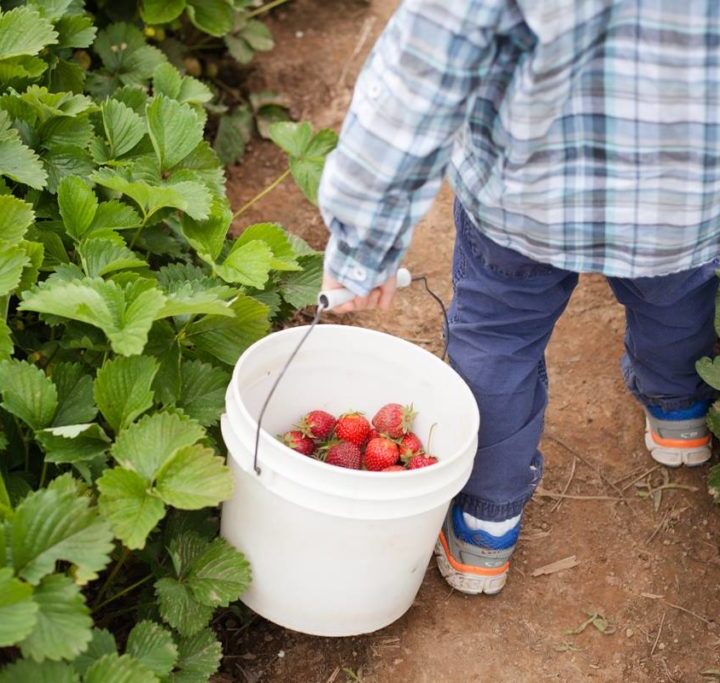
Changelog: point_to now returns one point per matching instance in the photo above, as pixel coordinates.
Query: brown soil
(653, 573)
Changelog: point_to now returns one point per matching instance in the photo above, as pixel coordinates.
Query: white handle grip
(332, 298)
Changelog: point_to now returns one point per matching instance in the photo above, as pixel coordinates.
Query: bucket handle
(327, 300)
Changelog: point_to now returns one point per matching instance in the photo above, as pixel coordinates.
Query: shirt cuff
(349, 267)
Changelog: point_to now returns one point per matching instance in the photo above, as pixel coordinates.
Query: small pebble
(675, 640)
(629, 633)
(661, 646)
(299, 34)
(281, 654)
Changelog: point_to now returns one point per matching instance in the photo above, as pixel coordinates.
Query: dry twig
(567, 485)
(657, 638)
(557, 566)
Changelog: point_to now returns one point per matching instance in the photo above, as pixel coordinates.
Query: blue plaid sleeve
(409, 104)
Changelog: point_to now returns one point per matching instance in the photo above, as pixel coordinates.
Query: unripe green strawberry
(380, 453)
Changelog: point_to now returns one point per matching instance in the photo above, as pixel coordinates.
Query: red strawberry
(344, 454)
(394, 468)
(381, 453)
(298, 442)
(410, 445)
(418, 461)
(394, 420)
(317, 424)
(373, 434)
(352, 427)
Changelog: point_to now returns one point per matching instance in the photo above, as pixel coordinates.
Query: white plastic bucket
(338, 552)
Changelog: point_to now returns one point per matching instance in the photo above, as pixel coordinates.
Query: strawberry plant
(124, 303)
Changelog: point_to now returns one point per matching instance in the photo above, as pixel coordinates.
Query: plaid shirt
(581, 133)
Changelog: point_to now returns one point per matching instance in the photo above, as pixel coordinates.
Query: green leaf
(101, 256)
(51, 525)
(219, 576)
(193, 91)
(132, 510)
(199, 658)
(66, 131)
(78, 205)
(307, 170)
(174, 129)
(194, 478)
(202, 391)
(258, 36)
(123, 389)
(179, 608)
(147, 445)
(153, 645)
(713, 418)
(17, 161)
(62, 162)
(15, 218)
(187, 300)
(12, 262)
(226, 338)
(234, 132)
(27, 393)
(293, 138)
(191, 197)
(709, 371)
(24, 32)
(75, 31)
(116, 216)
(66, 76)
(211, 16)
(102, 643)
(21, 69)
(63, 628)
(277, 239)
(239, 49)
(307, 152)
(27, 671)
(161, 11)
(207, 237)
(124, 314)
(18, 610)
(123, 127)
(301, 289)
(75, 394)
(167, 80)
(247, 264)
(35, 253)
(6, 342)
(73, 443)
(115, 668)
(50, 9)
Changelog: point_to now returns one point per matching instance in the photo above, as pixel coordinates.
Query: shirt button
(358, 273)
(375, 91)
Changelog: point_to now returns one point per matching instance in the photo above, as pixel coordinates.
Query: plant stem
(124, 591)
(265, 8)
(111, 577)
(259, 196)
(43, 474)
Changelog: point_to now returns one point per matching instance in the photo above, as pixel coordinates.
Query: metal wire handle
(322, 306)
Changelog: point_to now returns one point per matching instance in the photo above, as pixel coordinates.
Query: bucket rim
(267, 438)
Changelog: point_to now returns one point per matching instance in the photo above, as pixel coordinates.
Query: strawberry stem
(427, 450)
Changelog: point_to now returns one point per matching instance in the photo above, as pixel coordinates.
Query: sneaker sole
(468, 583)
(675, 457)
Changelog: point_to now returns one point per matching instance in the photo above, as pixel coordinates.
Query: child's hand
(380, 297)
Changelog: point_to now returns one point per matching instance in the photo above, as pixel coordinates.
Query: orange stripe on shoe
(680, 443)
(460, 567)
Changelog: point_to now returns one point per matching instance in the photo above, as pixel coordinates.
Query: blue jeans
(502, 315)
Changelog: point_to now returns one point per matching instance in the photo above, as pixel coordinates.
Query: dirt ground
(649, 565)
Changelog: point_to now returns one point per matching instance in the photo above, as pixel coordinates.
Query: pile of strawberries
(386, 445)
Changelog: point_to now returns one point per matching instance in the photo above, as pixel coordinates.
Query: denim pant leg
(502, 315)
(669, 327)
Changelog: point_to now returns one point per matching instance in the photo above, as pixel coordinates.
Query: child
(579, 136)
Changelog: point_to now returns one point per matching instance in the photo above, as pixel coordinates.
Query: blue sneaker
(678, 437)
(473, 561)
